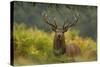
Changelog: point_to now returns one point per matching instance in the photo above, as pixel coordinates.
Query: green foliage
(30, 14)
(34, 46)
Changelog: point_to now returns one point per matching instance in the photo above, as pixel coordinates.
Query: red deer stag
(59, 40)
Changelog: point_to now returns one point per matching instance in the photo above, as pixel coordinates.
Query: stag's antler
(66, 26)
(47, 20)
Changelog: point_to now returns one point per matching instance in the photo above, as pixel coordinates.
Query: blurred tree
(30, 14)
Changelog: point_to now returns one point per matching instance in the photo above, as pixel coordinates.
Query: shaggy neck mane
(59, 43)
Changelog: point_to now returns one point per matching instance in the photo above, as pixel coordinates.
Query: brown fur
(59, 45)
(72, 50)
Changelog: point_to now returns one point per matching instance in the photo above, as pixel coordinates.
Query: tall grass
(34, 46)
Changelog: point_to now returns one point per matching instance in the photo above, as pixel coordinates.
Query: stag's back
(72, 50)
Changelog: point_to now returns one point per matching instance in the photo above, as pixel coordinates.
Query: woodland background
(33, 38)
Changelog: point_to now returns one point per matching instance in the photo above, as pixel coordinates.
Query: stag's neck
(58, 43)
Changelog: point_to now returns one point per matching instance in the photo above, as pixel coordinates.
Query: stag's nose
(59, 35)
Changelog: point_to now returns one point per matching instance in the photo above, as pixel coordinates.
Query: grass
(34, 46)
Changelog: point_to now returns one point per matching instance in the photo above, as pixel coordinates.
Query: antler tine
(68, 25)
(45, 17)
(55, 22)
(65, 25)
(76, 20)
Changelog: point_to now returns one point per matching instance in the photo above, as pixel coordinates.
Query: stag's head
(59, 31)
